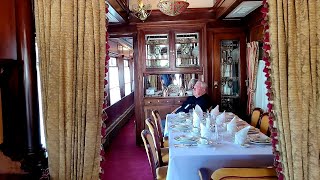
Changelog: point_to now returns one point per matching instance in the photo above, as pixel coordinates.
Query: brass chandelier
(142, 9)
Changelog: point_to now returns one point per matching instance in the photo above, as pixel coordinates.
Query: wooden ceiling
(119, 12)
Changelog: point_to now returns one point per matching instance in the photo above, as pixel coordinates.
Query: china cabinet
(170, 59)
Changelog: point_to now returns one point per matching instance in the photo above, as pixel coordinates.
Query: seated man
(200, 97)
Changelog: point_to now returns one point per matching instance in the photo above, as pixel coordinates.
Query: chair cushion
(161, 172)
(165, 155)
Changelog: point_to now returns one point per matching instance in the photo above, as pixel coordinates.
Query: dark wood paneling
(138, 84)
(13, 108)
(119, 9)
(116, 31)
(117, 109)
(26, 52)
(256, 33)
(253, 21)
(8, 45)
(19, 85)
(224, 7)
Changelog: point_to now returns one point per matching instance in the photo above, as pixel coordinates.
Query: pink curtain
(252, 68)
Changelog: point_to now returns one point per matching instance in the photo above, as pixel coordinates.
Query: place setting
(259, 140)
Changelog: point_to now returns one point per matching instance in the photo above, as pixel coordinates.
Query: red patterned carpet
(125, 160)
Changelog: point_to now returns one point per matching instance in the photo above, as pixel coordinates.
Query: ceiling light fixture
(244, 8)
(172, 7)
(142, 9)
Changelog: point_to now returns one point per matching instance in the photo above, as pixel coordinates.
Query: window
(120, 71)
(127, 82)
(114, 87)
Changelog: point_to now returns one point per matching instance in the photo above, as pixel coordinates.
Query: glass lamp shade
(141, 11)
(172, 7)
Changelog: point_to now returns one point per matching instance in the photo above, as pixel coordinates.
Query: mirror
(170, 84)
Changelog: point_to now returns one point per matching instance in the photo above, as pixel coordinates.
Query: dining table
(187, 153)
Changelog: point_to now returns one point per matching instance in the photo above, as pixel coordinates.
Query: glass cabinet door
(157, 51)
(229, 73)
(187, 49)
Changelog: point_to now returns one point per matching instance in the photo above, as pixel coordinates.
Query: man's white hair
(203, 84)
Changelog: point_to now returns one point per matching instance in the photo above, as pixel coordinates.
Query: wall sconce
(172, 7)
(141, 10)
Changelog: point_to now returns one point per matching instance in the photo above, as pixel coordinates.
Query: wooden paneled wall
(18, 83)
(255, 27)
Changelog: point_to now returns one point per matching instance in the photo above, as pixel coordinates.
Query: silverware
(185, 145)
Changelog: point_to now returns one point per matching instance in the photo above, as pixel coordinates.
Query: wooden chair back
(264, 123)
(245, 173)
(151, 151)
(157, 122)
(156, 140)
(255, 116)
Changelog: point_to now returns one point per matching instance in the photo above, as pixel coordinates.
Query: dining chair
(162, 153)
(264, 123)
(158, 172)
(255, 117)
(238, 173)
(159, 128)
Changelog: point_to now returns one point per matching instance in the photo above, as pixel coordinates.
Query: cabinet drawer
(179, 101)
(158, 101)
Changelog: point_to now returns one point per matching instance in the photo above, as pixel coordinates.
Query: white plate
(181, 126)
(204, 145)
(186, 139)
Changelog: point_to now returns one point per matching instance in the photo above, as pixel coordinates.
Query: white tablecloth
(184, 162)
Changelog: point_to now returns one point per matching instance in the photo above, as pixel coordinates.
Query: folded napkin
(198, 110)
(221, 118)
(215, 112)
(232, 125)
(204, 131)
(196, 119)
(241, 136)
(208, 122)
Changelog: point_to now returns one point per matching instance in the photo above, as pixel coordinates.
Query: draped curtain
(71, 37)
(294, 29)
(252, 69)
(260, 97)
